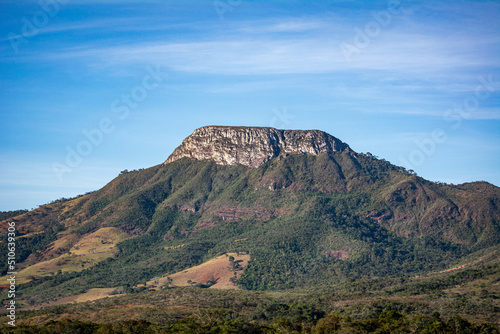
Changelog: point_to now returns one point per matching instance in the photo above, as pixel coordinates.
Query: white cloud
(253, 52)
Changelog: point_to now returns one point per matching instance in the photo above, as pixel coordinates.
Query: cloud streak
(299, 55)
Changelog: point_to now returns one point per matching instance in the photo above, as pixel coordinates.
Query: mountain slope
(306, 217)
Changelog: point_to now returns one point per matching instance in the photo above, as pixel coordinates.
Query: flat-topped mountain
(302, 205)
(253, 146)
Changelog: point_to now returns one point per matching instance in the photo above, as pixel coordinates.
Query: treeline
(219, 321)
(10, 214)
(66, 199)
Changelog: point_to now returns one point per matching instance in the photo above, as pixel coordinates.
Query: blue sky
(90, 88)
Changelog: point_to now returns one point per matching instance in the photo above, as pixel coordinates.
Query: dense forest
(289, 320)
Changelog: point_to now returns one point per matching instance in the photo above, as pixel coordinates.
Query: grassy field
(92, 294)
(218, 271)
(89, 250)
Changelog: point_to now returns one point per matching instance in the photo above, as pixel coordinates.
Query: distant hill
(305, 207)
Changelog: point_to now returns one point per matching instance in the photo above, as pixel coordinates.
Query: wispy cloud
(124, 25)
(288, 45)
(263, 56)
(285, 26)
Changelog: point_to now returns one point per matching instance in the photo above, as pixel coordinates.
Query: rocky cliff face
(253, 146)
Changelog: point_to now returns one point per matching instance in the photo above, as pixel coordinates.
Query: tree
(231, 261)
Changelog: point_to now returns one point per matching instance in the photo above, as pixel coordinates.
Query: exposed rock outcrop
(253, 146)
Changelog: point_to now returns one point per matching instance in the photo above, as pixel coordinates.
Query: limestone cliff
(253, 146)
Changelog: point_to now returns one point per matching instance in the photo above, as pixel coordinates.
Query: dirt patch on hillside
(92, 294)
(222, 270)
(338, 254)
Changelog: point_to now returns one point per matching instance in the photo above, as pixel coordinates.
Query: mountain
(304, 206)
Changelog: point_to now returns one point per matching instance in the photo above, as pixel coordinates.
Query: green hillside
(305, 220)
